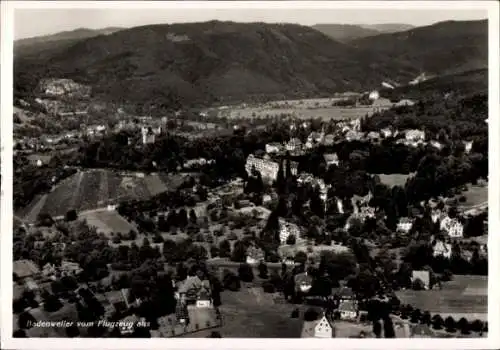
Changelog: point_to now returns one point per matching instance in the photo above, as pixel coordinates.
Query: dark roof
(204, 295)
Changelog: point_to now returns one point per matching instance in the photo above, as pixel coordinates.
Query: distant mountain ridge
(203, 63)
(38, 44)
(79, 33)
(348, 32)
(389, 27)
(345, 32)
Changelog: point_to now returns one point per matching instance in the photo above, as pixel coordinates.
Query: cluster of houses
(415, 138)
(44, 143)
(27, 275)
(344, 307)
(62, 109)
(296, 147)
(147, 127)
(60, 87)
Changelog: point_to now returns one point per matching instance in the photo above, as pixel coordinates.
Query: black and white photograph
(250, 172)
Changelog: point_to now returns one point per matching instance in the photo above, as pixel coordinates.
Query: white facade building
(452, 227)
(415, 135)
(294, 145)
(374, 95)
(468, 146)
(386, 132)
(287, 229)
(442, 249)
(436, 144)
(404, 225)
(331, 159)
(267, 168)
(323, 329)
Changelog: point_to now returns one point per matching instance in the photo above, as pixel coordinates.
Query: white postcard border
(7, 342)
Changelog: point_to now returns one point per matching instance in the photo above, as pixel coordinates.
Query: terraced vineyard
(92, 189)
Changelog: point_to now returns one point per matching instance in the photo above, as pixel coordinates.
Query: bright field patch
(323, 113)
(304, 109)
(108, 221)
(154, 184)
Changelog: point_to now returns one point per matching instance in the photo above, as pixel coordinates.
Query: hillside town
(359, 216)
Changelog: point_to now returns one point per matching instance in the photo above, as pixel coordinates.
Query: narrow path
(103, 188)
(33, 213)
(76, 193)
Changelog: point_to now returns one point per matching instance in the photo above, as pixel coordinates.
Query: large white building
(404, 225)
(415, 135)
(442, 249)
(267, 168)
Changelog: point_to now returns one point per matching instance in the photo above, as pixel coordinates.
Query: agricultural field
(312, 250)
(92, 189)
(251, 313)
(107, 222)
(317, 108)
(464, 296)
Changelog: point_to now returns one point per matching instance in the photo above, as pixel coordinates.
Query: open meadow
(464, 296)
(303, 109)
(107, 222)
(251, 313)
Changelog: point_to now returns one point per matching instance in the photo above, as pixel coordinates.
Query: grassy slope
(450, 46)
